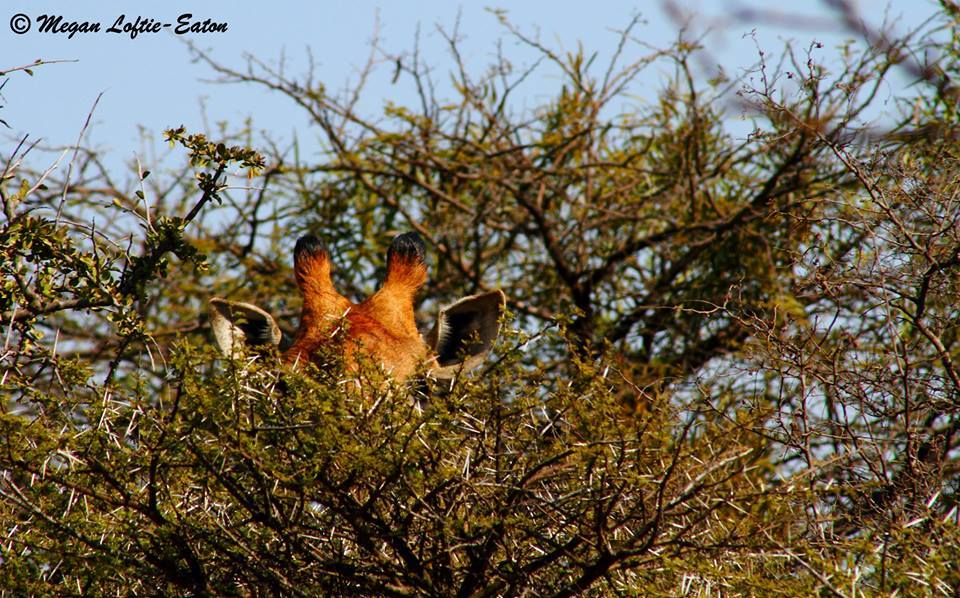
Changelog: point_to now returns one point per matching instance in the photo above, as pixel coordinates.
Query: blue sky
(151, 82)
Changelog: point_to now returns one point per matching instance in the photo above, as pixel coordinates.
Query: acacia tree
(731, 363)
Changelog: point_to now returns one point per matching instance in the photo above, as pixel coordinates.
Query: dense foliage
(731, 366)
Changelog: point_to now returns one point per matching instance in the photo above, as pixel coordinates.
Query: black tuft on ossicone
(308, 246)
(407, 247)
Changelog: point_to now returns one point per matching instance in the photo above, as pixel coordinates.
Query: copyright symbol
(20, 23)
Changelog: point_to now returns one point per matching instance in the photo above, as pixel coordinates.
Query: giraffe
(381, 327)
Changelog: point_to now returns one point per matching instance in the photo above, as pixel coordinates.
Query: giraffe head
(381, 327)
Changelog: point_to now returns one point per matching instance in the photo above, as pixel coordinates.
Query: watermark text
(123, 25)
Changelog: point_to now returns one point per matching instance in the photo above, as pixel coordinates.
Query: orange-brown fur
(382, 326)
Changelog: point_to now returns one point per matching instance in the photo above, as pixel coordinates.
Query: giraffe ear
(465, 332)
(236, 324)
